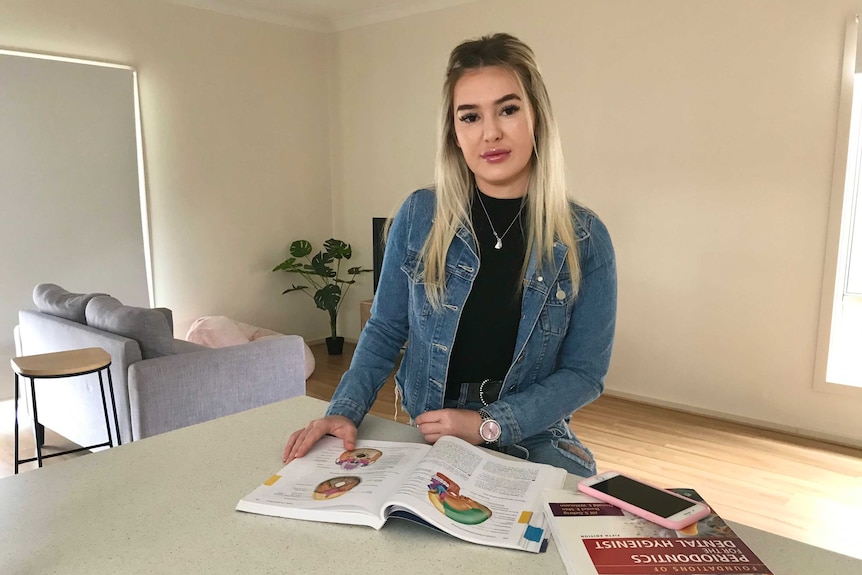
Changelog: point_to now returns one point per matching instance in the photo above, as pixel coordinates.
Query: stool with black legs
(59, 365)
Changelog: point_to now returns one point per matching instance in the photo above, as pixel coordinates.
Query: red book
(597, 538)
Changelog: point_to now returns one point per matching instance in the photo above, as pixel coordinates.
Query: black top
(485, 340)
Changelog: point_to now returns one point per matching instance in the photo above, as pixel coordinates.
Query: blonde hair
(549, 206)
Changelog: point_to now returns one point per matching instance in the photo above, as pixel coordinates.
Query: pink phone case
(693, 517)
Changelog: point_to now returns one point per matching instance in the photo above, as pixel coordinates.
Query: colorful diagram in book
(599, 538)
(335, 487)
(354, 458)
(445, 496)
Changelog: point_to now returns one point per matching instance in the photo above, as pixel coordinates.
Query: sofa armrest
(166, 393)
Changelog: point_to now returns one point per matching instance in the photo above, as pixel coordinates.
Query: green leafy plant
(328, 286)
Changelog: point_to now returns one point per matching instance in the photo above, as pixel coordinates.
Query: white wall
(236, 136)
(701, 132)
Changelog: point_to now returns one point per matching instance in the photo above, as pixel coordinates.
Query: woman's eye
(509, 110)
(469, 118)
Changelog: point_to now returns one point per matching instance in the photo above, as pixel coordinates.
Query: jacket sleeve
(384, 333)
(584, 354)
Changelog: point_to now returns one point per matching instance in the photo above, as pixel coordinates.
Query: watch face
(490, 430)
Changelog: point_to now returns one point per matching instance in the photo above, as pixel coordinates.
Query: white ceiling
(322, 15)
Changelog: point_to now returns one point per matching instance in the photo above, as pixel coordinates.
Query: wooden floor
(53, 443)
(806, 490)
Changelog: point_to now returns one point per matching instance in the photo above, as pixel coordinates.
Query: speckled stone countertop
(165, 505)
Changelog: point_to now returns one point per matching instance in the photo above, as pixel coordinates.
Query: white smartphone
(657, 505)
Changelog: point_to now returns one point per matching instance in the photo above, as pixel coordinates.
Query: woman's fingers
(312, 434)
(302, 440)
(298, 443)
(307, 437)
(292, 441)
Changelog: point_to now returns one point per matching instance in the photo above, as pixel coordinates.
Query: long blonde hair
(548, 203)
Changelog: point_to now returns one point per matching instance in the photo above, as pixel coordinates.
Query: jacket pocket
(554, 318)
(414, 268)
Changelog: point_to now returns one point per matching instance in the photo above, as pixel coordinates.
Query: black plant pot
(334, 345)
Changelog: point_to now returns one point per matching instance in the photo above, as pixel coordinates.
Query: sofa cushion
(54, 300)
(221, 331)
(216, 331)
(149, 327)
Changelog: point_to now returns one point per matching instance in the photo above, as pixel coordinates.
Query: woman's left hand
(463, 423)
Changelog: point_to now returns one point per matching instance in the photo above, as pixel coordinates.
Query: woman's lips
(495, 156)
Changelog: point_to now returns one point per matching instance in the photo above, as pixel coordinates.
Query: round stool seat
(62, 363)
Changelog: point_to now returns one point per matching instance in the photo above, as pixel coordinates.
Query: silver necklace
(499, 244)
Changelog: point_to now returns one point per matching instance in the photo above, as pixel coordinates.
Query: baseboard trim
(758, 423)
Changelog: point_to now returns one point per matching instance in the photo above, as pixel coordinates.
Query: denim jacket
(563, 345)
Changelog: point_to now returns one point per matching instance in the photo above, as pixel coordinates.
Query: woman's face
(493, 130)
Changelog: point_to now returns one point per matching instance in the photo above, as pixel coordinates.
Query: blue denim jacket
(563, 346)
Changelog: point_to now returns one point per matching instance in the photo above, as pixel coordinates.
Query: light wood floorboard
(800, 488)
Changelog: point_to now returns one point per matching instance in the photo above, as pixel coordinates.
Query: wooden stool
(57, 365)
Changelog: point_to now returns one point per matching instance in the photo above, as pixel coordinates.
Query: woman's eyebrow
(497, 102)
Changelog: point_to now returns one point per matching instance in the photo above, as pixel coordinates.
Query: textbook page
(338, 486)
(478, 496)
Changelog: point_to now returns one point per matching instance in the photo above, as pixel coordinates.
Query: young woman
(503, 287)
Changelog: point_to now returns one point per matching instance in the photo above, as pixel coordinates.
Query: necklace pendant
(499, 244)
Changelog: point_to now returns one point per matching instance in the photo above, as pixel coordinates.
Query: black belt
(486, 392)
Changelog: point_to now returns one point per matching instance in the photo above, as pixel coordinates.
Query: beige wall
(236, 139)
(701, 132)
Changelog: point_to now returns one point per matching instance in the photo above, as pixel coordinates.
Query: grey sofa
(160, 383)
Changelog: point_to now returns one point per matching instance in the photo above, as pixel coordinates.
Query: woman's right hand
(301, 440)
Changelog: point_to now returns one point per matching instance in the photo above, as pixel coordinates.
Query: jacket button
(540, 278)
(561, 295)
(511, 388)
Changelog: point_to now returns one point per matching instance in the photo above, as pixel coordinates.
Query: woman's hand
(301, 440)
(463, 423)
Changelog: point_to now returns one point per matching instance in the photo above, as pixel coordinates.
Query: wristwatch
(489, 430)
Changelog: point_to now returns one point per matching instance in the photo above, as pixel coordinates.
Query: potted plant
(326, 281)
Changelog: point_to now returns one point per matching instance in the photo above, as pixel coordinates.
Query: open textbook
(459, 488)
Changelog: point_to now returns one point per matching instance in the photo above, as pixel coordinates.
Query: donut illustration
(335, 487)
(358, 458)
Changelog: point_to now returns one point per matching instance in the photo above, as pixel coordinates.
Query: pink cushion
(221, 331)
(216, 331)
